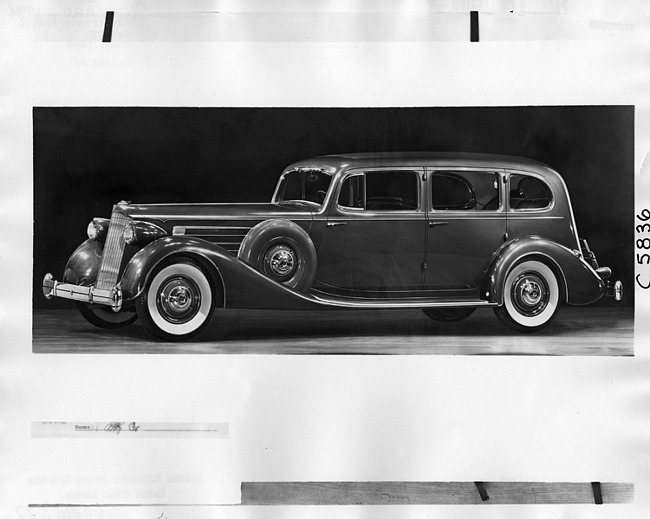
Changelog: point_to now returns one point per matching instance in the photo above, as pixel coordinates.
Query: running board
(401, 303)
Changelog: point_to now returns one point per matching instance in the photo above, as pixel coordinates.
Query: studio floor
(574, 331)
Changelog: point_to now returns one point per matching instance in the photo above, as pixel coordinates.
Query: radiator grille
(109, 269)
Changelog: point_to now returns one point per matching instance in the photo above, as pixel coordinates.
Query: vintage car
(446, 233)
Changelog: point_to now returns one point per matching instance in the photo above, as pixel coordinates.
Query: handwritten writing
(643, 243)
(115, 427)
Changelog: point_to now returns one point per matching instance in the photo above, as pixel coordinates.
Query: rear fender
(241, 286)
(579, 283)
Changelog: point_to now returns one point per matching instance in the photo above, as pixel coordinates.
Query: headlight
(141, 233)
(129, 233)
(97, 229)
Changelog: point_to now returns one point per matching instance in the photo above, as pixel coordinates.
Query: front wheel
(103, 317)
(531, 297)
(178, 300)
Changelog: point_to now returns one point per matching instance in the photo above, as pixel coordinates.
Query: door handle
(434, 224)
(334, 224)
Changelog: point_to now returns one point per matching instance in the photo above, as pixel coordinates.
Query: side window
(381, 191)
(465, 191)
(353, 191)
(528, 192)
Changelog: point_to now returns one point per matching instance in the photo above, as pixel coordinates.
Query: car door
(375, 232)
(466, 224)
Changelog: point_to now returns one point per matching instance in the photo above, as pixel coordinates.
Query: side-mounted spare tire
(283, 251)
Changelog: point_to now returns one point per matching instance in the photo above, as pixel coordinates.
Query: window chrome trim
(539, 177)
(362, 210)
(501, 173)
(276, 191)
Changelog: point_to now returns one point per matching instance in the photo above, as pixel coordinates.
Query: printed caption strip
(129, 429)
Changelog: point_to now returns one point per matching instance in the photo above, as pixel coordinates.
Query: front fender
(142, 265)
(241, 286)
(83, 266)
(580, 283)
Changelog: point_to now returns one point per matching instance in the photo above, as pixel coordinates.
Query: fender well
(579, 284)
(551, 263)
(143, 263)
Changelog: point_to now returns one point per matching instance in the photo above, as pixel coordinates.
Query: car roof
(413, 159)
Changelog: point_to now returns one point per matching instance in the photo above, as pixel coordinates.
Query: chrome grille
(109, 269)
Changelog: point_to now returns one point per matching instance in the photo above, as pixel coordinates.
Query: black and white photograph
(354, 214)
(327, 259)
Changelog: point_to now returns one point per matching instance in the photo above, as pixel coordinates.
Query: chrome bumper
(614, 290)
(109, 297)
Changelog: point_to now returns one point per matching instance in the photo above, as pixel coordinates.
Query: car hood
(166, 212)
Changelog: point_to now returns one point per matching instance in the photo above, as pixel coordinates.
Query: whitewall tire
(531, 297)
(178, 301)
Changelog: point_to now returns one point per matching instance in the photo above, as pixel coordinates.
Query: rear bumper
(611, 288)
(86, 294)
(614, 289)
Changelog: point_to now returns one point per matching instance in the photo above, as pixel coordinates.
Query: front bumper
(111, 297)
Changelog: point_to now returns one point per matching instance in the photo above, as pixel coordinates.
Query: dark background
(87, 159)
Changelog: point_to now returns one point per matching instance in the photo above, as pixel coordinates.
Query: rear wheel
(178, 300)
(103, 317)
(531, 297)
(448, 315)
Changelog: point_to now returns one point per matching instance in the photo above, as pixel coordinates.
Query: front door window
(383, 190)
(374, 238)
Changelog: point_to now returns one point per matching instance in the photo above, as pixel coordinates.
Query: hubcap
(179, 299)
(530, 294)
(281, 260)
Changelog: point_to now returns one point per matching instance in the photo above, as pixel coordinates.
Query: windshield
(309, 185)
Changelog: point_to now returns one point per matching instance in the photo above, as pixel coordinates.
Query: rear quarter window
(528, 193)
